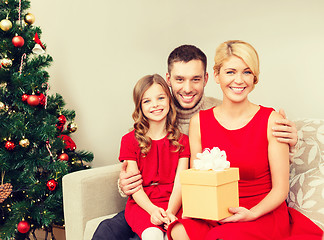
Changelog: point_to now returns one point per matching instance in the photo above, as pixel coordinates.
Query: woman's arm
(194, 138)
(175, 198)
(278, 154)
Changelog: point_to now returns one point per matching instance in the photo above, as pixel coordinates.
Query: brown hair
(141, 124)
(186, 53)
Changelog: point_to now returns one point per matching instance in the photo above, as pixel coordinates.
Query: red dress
(158, 169)
(247, 149)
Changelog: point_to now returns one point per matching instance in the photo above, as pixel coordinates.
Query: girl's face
(155, 103)
(235, 79)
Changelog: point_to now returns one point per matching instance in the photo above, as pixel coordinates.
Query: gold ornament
(29, 18)
(2, 105)
(24, 142)
(6, 62)
(72, 127)
(3, 85)
(5, 24)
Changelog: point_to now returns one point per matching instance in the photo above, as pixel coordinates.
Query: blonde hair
(141, 123)
(240, 49)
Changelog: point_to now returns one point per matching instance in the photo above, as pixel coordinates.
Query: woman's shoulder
(274, 116)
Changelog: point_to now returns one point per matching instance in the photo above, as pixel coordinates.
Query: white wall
(102, 47)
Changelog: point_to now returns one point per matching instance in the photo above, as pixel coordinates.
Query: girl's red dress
(247, 149)
(158, 169)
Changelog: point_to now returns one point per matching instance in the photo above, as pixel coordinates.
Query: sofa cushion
(307, 171)
(92, 225)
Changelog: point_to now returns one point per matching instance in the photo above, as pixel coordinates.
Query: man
(187, 78)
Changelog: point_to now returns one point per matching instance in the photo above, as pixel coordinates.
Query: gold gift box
(208, 194)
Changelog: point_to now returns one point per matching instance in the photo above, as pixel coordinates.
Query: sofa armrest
(89, 194)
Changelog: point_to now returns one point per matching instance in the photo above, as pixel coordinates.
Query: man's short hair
(186, 53)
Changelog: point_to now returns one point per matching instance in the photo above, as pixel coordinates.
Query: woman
(243, 130)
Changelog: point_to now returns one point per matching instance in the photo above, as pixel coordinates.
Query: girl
(159, 151)
(243, 130)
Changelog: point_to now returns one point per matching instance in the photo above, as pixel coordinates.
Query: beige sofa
(91, 196)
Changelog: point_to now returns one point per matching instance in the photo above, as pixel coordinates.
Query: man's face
(187, 82)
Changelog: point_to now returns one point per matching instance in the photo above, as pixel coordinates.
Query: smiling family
(158, 148)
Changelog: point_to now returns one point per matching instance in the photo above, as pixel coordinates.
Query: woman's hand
(159, 216)
(240, 214)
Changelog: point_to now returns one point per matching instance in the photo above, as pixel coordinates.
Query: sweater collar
(188, 113)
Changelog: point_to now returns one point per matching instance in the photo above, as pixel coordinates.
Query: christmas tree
(36, 150)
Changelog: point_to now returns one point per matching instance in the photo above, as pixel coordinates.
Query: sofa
(90, 196)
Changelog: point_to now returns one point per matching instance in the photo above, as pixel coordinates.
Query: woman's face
(235, 79)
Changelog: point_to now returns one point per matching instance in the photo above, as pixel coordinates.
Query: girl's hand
(170, 218)
(241, 214)
(159, 216)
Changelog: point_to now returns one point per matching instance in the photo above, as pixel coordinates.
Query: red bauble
(24, 97)
(41, 99)
(60, 127)
(18, 41)
(64, 157)
(62, 119)
(69, 143)
(51, 184)
(23, 227)
(33, 100)
(10, 145)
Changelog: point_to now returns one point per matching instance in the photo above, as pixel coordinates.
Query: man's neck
(184, 113)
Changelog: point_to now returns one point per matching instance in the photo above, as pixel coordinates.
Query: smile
(237, 89)
(157, 111)
(187, 98)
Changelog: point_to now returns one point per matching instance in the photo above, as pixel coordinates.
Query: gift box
(207, 194)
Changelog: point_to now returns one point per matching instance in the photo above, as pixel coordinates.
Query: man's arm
(129, 182)
(285, 131)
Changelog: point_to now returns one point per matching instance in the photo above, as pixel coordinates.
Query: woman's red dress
(247, 149)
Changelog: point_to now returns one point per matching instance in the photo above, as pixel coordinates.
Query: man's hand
(285, 131)
(129, 182)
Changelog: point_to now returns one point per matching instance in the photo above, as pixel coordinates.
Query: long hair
(141, 123)
(240, 49)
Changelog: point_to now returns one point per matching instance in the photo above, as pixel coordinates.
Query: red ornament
(38, 41)
(69, 143)
(10, 145)
(62, 119)
(41, 99)
(33, 100)
(64, 157)
(59, 127)
(18, 41)
(24, 97)
(51, 184)
(23, 227)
